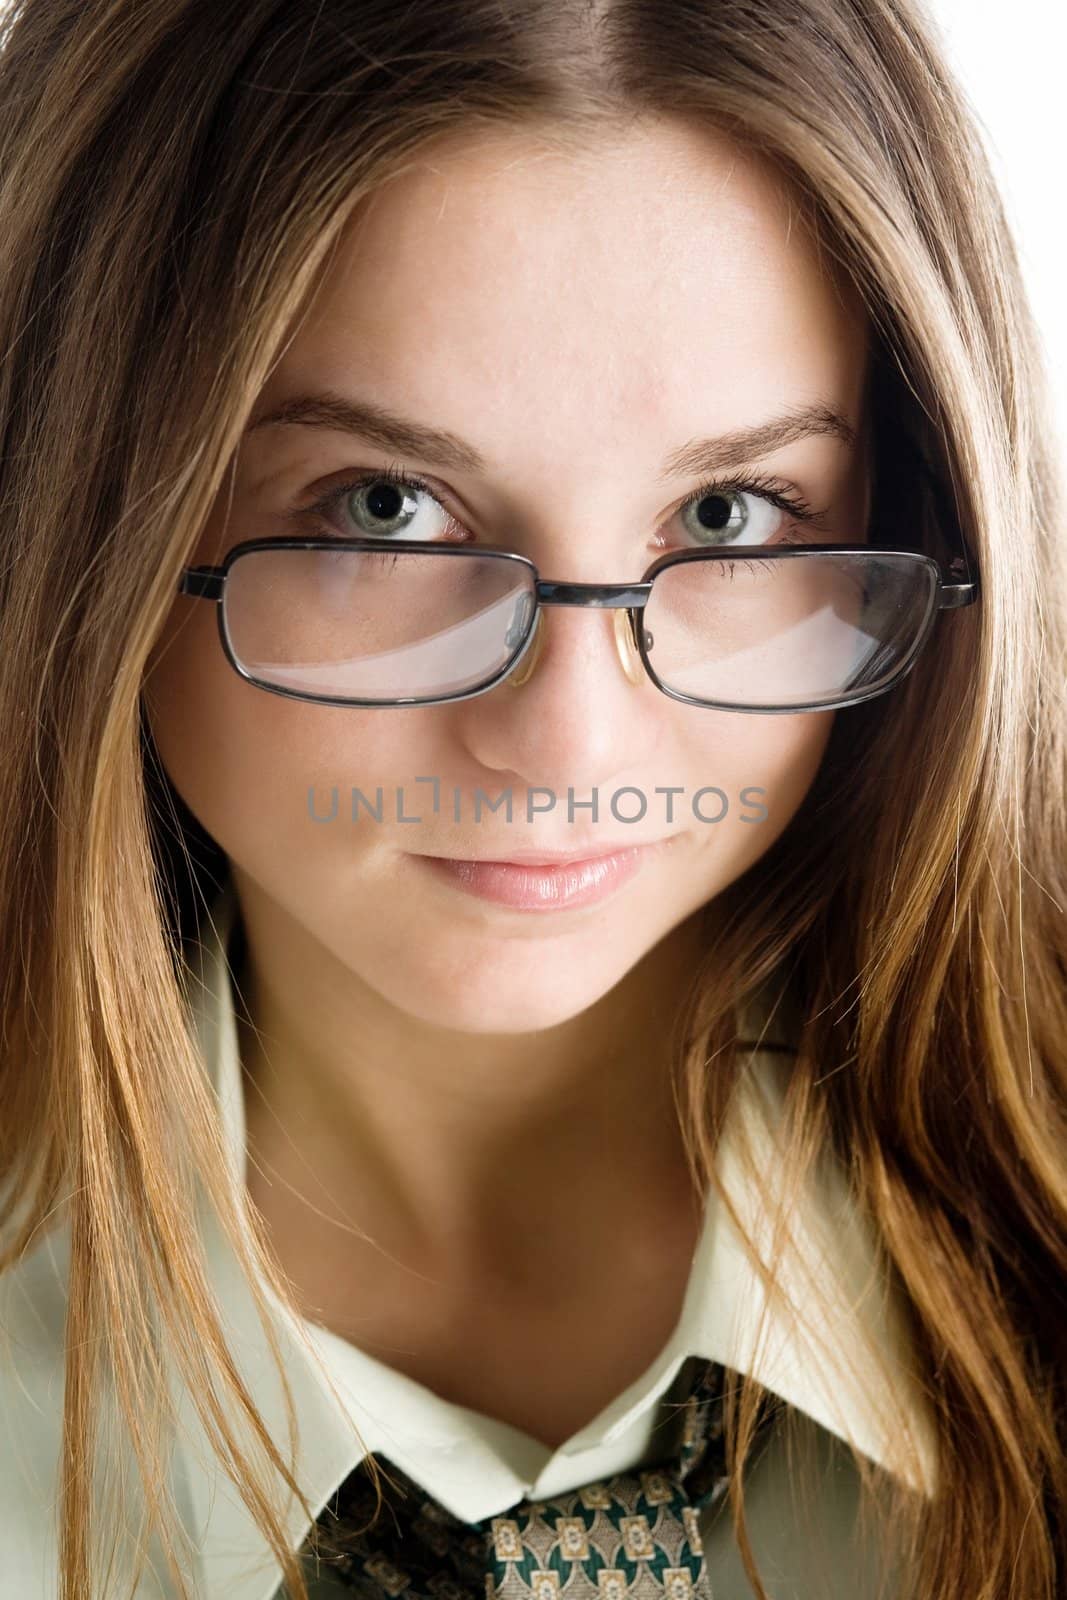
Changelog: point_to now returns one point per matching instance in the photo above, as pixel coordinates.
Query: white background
(1011, 60)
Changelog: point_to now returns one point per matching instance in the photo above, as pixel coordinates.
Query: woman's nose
(631, 661)
(577, 710)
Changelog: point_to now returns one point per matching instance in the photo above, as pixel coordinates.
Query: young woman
(533, 632)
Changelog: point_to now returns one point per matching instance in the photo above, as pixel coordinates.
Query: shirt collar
(477, 1466)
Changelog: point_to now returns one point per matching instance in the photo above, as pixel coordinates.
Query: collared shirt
(849, 1370)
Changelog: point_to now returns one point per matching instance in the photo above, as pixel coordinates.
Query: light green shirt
(475, 1465)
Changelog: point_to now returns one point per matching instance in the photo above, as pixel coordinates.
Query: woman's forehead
(664, 267)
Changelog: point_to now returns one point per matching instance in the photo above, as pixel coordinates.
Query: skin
(428, 1070)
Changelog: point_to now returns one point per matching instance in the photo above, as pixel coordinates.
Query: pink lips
(525, 886)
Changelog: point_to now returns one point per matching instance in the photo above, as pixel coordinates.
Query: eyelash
(770, 489)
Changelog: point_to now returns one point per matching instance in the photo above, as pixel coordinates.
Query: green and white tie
(632, 1536)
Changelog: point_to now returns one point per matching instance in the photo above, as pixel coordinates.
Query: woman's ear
(190, 865)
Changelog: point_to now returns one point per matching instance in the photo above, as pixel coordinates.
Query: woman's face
(576, 322)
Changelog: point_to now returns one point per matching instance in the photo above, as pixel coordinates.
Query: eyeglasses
(356, 622)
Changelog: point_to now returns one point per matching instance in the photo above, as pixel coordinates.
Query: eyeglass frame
(962, 589)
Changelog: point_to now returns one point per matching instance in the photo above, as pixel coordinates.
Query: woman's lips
(525, 886)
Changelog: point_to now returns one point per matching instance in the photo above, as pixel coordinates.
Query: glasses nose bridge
(605, 596)
(629, 598)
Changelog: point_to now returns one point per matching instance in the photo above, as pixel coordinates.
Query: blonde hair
(173, 179)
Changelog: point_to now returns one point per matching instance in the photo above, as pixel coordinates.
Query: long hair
(173, 177)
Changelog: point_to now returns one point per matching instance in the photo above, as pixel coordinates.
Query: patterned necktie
(632, 1536)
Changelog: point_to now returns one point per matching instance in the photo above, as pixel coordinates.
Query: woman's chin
(540, 994)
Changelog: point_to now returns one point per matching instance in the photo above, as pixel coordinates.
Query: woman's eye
(379, 507)
(731, 516)
(388, 504)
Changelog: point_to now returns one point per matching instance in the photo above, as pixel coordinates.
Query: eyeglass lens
(382, 626)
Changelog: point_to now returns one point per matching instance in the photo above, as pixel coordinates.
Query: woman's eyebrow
(348, 414)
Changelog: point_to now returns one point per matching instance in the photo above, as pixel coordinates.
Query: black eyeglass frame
(208, 583)
(961, 588)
